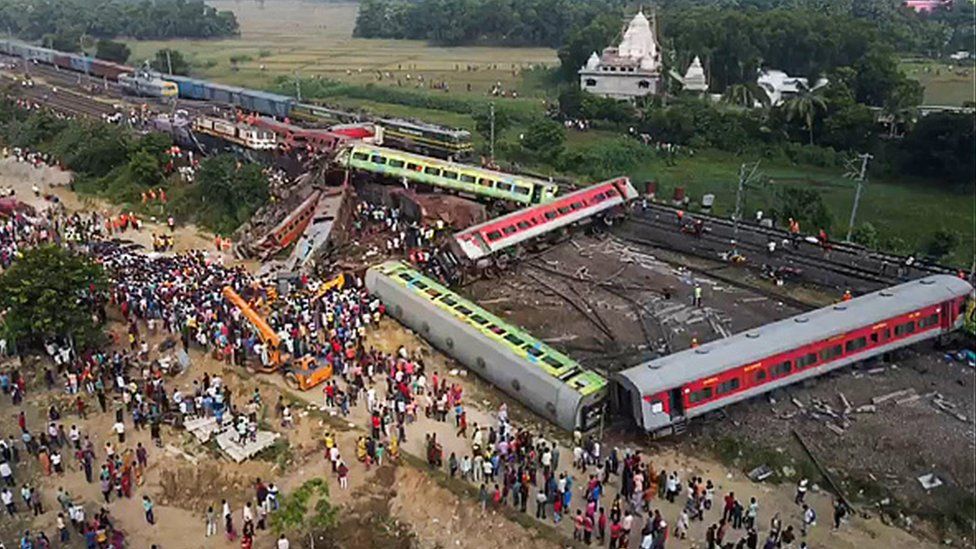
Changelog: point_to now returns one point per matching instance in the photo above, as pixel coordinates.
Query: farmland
(314, 39)
(950, 84)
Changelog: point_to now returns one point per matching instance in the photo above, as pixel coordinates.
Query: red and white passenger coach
(483, 240)
(663, 393)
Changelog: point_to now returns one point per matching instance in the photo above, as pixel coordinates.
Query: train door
(946, 316)
(677, 407)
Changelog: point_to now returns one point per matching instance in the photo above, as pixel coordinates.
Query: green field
(282, 37)
(908, 210)
(950, 84)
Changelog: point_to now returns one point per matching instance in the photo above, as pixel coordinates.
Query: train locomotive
(663, 394)
(550, 383)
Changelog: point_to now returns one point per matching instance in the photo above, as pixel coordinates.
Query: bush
(606, 158)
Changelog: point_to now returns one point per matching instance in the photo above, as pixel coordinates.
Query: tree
(866, 235)
(116, 52)
(52, 292)
(294, 513)
(545, 138)
(941, 146)
(229, 192)
(804, 205)
(901, 101)
(805, 106)
(144, 168)
(585, 40)
(940, 244)
(745, 95)
(175, 61)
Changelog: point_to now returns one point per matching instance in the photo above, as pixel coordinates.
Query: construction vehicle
(335, 283)
(302, 373)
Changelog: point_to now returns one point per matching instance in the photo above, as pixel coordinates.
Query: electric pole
(861, 177)
(739, 200)
(298, 86)
(491, 116)
(169, 62)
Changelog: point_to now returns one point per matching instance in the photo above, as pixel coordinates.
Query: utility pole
(298, 86)
(861, 178)
(169, 62)
(739, 200)
(491, 114)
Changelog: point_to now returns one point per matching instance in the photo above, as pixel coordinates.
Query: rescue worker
(847, 296)
(694, 342)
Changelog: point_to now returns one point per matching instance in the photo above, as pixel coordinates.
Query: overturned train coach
(661, 395)
(543, 379)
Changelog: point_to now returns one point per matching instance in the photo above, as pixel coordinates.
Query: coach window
(486, 182)
(831, 353)
(509, 230)
(806, 360)
(781, 369)
(377, 159)
(480, 320)
(760, 376)
(449, 175)
(465, 178)
(523, 225)
(905, 329)
(360, 156)
(507, 187)
(434, 294)
(497, 330)
(727, 386)
(855, 344)
(396, 163)
(432, 170)
(930, 320)
(514, 340)
(563, 210)
(414, 167)
(599, 197)
(532, 350)
(463, 310)
(449, 301)
(521, 190)
(494, 235)
(551, 215)
(698, 396)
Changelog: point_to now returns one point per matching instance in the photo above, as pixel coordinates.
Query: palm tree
(805, 106)
(745, 95)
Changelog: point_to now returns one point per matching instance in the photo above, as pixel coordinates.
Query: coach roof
(785, 335)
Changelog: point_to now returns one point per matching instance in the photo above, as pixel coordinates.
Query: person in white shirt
(283, 542)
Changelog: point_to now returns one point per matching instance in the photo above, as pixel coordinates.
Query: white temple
(694, 79)
(630, 70)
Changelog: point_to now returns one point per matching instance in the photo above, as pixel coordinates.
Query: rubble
(893, 395)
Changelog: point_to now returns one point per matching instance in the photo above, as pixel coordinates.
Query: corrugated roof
(778, 337)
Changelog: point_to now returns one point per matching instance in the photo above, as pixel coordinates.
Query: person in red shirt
(615, 531)
(587, 529)
(601, 523)
(729, 505)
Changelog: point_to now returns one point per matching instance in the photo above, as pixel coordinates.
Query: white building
(630, 70)
(694, 79)
(780, 87)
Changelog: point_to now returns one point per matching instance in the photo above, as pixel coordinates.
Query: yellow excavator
(302, 373)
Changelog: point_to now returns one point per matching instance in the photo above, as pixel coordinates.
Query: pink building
(926, 5)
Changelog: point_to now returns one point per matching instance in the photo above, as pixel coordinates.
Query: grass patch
(946, 83)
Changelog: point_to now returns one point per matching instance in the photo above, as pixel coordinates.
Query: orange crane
(304, 373)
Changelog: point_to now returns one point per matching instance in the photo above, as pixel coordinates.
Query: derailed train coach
(663, 394)
(548, 382)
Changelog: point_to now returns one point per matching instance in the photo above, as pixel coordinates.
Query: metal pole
(298, 86)
(861, 179)
(169, 62)
(739, 200)
(491, 112)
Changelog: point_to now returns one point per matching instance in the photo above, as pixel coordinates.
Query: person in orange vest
(152, 195)
(847, 296)
(694, 342)
(681, 216)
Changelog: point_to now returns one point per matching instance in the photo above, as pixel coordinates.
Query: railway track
(891, 267)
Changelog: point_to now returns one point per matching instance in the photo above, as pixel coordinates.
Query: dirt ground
(405, 506)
